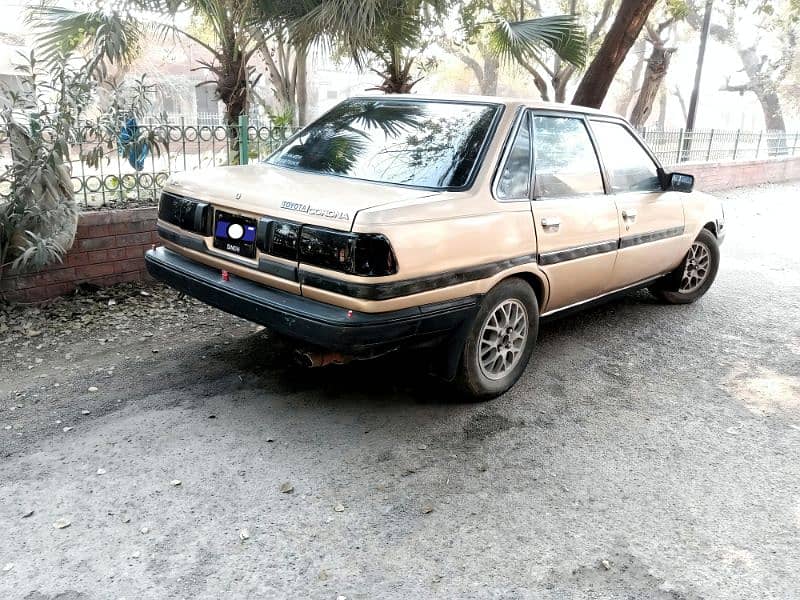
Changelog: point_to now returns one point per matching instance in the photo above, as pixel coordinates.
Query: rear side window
(630, 167)
(564, 159)
(515, 178)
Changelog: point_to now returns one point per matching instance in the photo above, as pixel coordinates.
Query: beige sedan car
(448, 223)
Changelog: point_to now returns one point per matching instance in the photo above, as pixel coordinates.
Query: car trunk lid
(265, 190)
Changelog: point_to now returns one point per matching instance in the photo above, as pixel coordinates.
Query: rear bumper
(308, 321)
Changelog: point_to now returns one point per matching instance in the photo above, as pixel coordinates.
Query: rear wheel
(500, 341)
(694, 275)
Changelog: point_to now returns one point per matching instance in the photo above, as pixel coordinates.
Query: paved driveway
(649, 451)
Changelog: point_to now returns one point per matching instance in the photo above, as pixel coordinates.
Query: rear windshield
(419, 143)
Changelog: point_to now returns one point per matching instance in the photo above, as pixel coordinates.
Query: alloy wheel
(502, 339)
(695, 268)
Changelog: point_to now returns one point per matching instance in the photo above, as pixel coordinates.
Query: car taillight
(373, 256)
(283, 239)
(185, 213)
(354, 253)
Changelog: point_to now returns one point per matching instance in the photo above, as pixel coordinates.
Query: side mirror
(680, 182)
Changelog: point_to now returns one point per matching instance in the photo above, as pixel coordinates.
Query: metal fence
(119, 180)
(116, 181)
(717, 145)
(206, 142)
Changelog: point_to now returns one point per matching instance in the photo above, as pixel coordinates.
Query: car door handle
(629, 214)
(552, 223)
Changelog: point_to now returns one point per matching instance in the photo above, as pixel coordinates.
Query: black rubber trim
(652, 236)
(187, 241)
(551, 258)
(265, 265)
(308, 320)
(396, 289)
(273, 267)
(594, 302)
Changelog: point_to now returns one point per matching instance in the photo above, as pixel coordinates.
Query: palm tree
(393, 34)
(116, 37)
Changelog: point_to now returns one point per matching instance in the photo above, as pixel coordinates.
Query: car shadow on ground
(269, 362)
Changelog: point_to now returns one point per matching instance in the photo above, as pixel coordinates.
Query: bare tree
(632, 85)
(763, 73)
(657, 66)
(485, 68)
(682, 101)
(471, 45)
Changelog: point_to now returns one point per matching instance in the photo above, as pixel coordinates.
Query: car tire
(692, 278)
(505, 329)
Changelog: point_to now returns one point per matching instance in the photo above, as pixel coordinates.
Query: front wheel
(500, 341)
(694, 275)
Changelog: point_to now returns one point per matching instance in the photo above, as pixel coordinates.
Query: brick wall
(711, 177)
(110, 245)
(109, 248)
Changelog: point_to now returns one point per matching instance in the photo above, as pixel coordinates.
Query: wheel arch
(712, 227)
(536, 281)
(453, 348)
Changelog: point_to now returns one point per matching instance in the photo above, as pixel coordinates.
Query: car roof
(509, 101)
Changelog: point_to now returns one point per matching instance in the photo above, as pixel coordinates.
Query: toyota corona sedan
(454, 224)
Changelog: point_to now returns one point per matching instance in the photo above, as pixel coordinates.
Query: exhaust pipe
(311, 358)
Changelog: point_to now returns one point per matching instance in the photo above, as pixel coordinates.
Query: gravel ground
(649, 451)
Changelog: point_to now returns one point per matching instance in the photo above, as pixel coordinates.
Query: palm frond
(360, 27)
(329, 150)
(391, 118)
(114, 37)
(519, 39)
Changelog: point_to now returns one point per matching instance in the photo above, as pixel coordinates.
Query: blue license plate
(235, 233)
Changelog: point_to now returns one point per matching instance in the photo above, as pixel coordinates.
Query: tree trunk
(628, 23)
(397, 73)
(677, 93)
(233, 110)
(624, 99)
(560, 81)
(764, 89)
(657, 66)
(541, 87)
(538, 81)
(282, 83)
(301, 86)
(486, 74)
(662, 110)
(773, 120)
(491, 68)
(232, 88)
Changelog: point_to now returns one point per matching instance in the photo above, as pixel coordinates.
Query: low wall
(109, 248)
(110, 245)
(711, 177)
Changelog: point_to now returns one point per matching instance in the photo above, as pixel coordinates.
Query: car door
(651, 221)
(576, 222)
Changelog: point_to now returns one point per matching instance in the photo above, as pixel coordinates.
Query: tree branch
(538, 81)
(601, 21)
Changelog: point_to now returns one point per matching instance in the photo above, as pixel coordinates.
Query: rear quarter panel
(448, 233)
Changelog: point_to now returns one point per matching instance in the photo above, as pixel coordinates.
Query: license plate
(235, 233)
